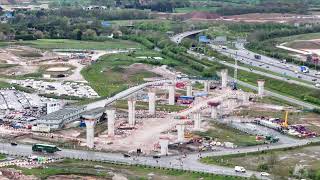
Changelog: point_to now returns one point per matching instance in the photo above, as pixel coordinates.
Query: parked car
(239, 169)
(264, 174)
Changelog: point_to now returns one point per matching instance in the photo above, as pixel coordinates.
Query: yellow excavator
(285, 123)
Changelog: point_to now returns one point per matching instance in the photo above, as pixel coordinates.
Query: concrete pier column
(214, 113)
(261, 83)
(152, 103)
(164, 146)
(131, 111)
(189, 88)
(197, 121)
(90, 123)
(245, 98)
(206, 86)
(172, 92)
(111, 114)
(224, 78)
(180, 129)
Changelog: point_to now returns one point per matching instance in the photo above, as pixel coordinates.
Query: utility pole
(235, 71)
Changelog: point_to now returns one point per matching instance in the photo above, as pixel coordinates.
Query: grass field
(224, 133)
(4, 85)
(192, 9)
(74, 44)
(101, 170)
(280, 163)
(111, 74)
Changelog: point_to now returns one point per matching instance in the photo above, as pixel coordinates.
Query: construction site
(170, 117)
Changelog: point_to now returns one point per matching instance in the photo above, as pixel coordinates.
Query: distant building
(313, 59)
(145, 2)
(203, 39)
(89, 8)
(61, 117)
(221, 40)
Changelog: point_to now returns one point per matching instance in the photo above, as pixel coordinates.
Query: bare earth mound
(305, 45)
(200, 15)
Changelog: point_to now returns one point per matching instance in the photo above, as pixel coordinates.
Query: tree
(38, 34)
(89, 34)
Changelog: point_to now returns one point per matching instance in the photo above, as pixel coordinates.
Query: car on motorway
(264, 174)
(14, 144)
(299, 77)
(156, 156)
(314, 79)
(126, 155)
(239, 169)
(317, 73)
(317, 85)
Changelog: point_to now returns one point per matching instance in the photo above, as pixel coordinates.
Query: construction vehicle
(188, 135)
(285, 123)
(271, 139)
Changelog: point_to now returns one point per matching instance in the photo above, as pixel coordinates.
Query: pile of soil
(200, 15)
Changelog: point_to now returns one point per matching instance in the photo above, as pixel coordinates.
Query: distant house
(314, 59)
(90, 8)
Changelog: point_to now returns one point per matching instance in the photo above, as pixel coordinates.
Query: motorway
(251, 61)
(256, 71)
(267, 63)
(190, 162)
(178, 37)
(285, 98)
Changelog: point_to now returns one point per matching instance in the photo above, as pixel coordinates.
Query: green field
(223, 133)
(111, 74)
(101, 170)
(192, 9)
(300, 37)
(280, 163)
(4, 85)
(74, 44)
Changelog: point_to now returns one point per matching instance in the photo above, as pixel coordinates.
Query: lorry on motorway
(239, 169)
(304, 69)
(45, 148)
(256, 56)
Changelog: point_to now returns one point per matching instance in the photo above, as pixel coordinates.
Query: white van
(239, 169)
